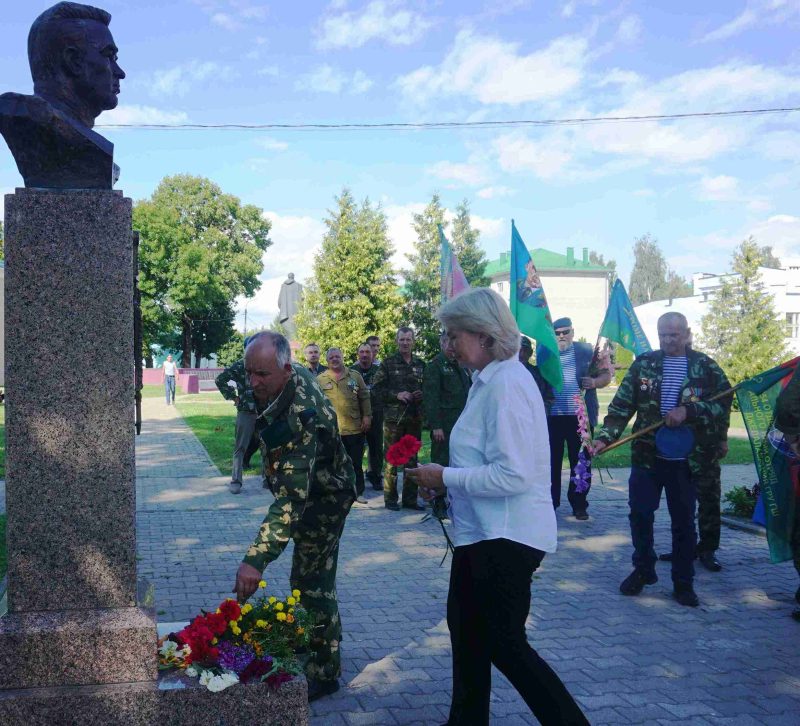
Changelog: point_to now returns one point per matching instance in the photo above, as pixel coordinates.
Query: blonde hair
(482, 310)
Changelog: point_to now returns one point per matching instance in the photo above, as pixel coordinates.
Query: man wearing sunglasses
(562, 421)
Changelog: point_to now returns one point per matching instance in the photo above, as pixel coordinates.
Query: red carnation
(230, 609)
(402, 451)
(216, 623)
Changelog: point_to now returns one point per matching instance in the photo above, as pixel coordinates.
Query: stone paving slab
(640, 660)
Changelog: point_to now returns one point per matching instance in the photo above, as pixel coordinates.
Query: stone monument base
(162, 702)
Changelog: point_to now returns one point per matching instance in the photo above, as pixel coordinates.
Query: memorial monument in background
(288, 304)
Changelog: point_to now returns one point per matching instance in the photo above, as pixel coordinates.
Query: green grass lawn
(2, 545)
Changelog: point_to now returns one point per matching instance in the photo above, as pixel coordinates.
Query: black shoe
(581, 515)
(666, 557)
(394, 506)
(634, 583)
(685, 595)
(416, 507)
(797, 596)
(796, 615)
(318, 689)
(709, 561)
(378, 487)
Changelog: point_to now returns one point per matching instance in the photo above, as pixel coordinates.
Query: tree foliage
(742, 331)
(651, 279)
(769, 259)
(465, 242)
(231, 351)
(597, 259)
(353, 293)
(200, 248)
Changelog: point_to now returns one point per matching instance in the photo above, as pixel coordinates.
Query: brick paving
(643, 660)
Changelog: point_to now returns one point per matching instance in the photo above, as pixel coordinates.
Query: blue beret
(562, 323)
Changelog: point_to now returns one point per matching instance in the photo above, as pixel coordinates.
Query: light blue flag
(621, 324)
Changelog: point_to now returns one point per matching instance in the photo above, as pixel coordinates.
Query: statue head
(291, 276)
(73, 60)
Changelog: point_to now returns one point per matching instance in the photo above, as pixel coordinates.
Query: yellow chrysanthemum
(290, 618)
(236, 630)
(296, 593)
(300, 631)
(291, 610)
(218, 611)
(246, 608)
(262, 584)
(272, 600)
(281, 616)
(279, 606)
(261, 623)
(290, 601)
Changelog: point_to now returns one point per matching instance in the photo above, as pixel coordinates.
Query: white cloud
(233, 15)
(570, 8)
(179, 80)
(327, 79)
(495, 192)
(756, 12)
(466, 174)
(223, 20)
(268, 71)
(517, 152)
(781, 231)
(630, 28)
(272, 144)
(720, 188)
(386, 20)
(491, 71)
(133, 114)
(781, 145)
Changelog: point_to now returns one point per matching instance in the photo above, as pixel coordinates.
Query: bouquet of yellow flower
(237, 644)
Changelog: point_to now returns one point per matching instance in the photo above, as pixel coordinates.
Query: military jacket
(787, 412)
(350, 398)
(235, 373)
(305, 461)
(369, 378)
(640, 394)
(395, 375)
(445, 385)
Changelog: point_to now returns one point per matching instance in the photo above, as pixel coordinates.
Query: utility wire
(426, 125)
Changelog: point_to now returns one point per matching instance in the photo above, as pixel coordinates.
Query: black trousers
(375, 456)
(354, 446)
(564, 430)
(487, 605)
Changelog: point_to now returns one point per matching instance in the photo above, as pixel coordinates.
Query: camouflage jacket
(787, 412)
(305, 461)
(640, 394)
(369, 378)
(395, 375)
(235, 373)
(445, 386)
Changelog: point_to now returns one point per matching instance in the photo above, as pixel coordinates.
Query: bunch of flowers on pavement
(240, 644)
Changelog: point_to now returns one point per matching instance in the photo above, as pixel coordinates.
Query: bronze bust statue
(76, 77)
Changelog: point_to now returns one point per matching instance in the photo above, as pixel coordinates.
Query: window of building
(499, 287)
(793, 325)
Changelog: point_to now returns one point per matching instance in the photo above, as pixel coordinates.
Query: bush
(742, 501)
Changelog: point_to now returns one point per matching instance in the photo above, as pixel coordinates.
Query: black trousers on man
(354, 446)
(487, 605)
(375, 455)
(564, 430)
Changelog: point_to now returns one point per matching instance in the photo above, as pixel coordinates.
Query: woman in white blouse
(498, 487)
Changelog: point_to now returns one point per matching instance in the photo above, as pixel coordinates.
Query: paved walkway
(733, 660)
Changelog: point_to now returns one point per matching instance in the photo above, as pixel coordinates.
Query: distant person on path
(398, 386)
(366, 368)
(498, 487)
(169, 372)
(674, 383)
(349, 395)
(445, 385)
(241, 394)
(311, 353)
(313, 482)
(562, 419)
(787, 420)
(545, 389)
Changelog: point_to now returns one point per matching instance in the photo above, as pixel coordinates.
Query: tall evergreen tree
(465, 240)
(651, 279)
(742, 331)
(353, 293)
(423, 286)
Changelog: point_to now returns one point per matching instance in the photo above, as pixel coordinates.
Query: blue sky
(699, 186)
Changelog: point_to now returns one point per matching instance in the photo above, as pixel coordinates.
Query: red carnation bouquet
(402, 451)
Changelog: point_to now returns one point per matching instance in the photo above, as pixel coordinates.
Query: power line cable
(430, 125)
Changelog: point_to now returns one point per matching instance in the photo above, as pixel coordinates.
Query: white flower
(205, 677)
(168, 649)
(222, 681)
(191, 671)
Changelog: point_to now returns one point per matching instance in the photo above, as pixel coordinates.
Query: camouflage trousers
(316, 535)
(709, 489)
(392, 433)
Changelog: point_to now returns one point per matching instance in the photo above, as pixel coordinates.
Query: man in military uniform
(233, 386)
(398, 386)
(313, 482)
(311, 353)
(525, 353)
(674, 384)
(365, 367)
(349, 395)
(445, 385)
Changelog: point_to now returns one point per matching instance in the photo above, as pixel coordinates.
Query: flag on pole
(452, 276)
(777, 469)
(621, 324)
(529, 308)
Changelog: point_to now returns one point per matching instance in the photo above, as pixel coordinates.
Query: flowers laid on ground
(402, 451)
(239, 644)
(583, 469)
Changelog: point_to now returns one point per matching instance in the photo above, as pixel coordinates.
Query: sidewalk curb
(744, 525)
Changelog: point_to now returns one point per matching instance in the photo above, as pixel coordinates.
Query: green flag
(529, 308)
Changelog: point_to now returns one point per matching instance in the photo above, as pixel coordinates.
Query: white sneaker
(361, 500)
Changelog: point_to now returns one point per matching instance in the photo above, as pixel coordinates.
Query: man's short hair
(330, 350)
(674, 315)
(376, 338)
(310, 345)
(364, 345)
(283, 351)
(57, 28)
(404, 329)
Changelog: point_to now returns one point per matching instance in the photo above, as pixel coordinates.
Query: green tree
(597, 259)
(768, 258)
(353, 293)
(742, 331)
(651, 279)
(200, 248)
(423, 286)
(231, 351)
(465, 240)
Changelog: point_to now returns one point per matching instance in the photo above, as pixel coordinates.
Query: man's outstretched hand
(247, 579)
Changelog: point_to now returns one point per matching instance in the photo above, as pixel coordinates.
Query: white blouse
(498, 481)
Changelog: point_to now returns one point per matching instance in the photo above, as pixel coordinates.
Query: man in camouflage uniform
(366, 368)
(652, 470)
(787, 420)
(398, 386)
(313, 482)
(233, 386)
(445, 385)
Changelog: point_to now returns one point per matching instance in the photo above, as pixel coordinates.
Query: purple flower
(583, 472)
(235, 657)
